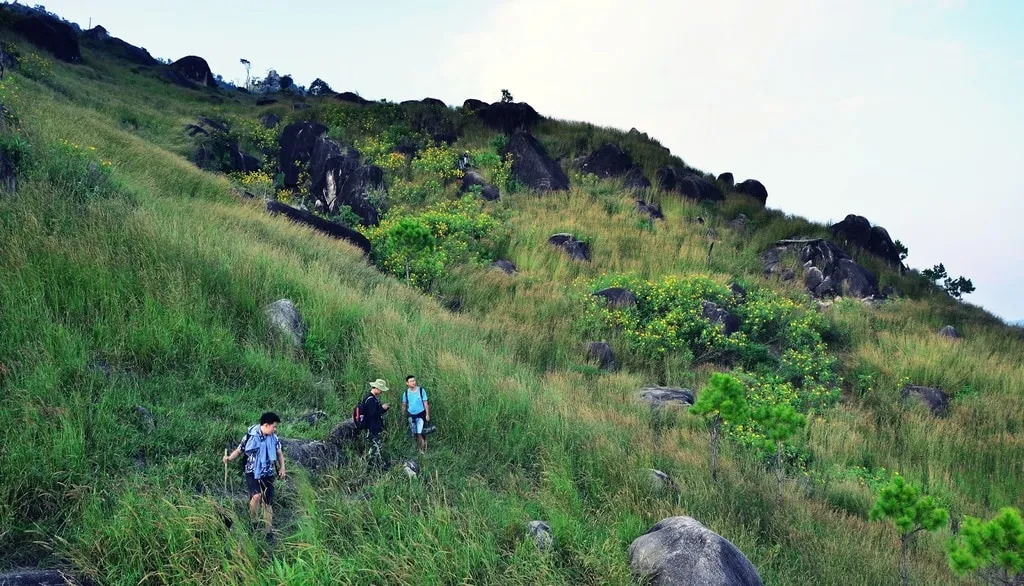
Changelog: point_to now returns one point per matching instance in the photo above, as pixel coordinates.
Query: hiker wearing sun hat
(373, 422)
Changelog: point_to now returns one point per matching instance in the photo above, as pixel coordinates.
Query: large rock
(601, 354)
(617, 297)
(270, 120)
(118, 48)
(352, 98)
(935, 399)
(315, 455)
(716, 315)
(853, 229)
(54, 35)
(754, 189)
(541, 534)
(473, 105)
(651, 210)
(509, 117)
(37, 578)
(286, 323)
(338, 179)
(576, 249)
(343, 433)
(506, 266)
(532, 165)
(607, 161)
(8, 174)
(949, 332)
(243, 161)
(842, 276)
(433, 102)
(679, 551)
(196, 70)
(635, 179)
(434, 120)
(473, 179)
(365, 193)
(881, 245)
(297, 142)
(658, 397)
(316, 222)
(727, 180)
(689, 184)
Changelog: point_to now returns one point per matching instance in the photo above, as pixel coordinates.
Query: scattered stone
(658, 397)
(739, 223)
(38, 578)
(297, 142)
(727, 180)
(813, 278)
(313, 417)
(635, 179)
(679, 551)
(509, 117)
(196, 70)
(935, 399)
(661, 481)
(352, 98)
(315, 455)
(607, 161)
(286, 323)
(739, 293)
(8, 174)
(532, 165)
(265, 101)
(506, 266)
(145, 419)
(617, 297)
(270, 120)
(473, 105)
(949, 332)
(729, 322)
(576, 249)
(787, 274)
(754, 189)
(331, 229)
(473, 179)
(411, 468)
(652, 210)
(541, 534)
(602, 354)
(54, 35)
(343, 433)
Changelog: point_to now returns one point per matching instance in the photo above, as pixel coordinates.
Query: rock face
(532, 165)
(857, 230)
(338, 179)
(315, 455)
(472, 105)
(541, 534)
(576, 249)
(935, 399)
(243, 161)
(195, 69)
(297, 142)
(601, 354)
(473, 179)
(679, 551)
(651, 210)
(949, 332)
(509, 117)
(881, 245)
(617, 297)
(688, 184)
(433, 102)
(37, 578)
(352, 98)
(840, 274)
(316, 222)
(118, 48)
(607, 161)
(270, 120)
(55, 36)
(363, 192)
(729, 322)
(754, 189)
(727, 180)
(506, 266)
(635, 179)
(286, 323)
(658, 397)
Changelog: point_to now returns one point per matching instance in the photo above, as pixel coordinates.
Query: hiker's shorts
(416, 423)
(264, 486)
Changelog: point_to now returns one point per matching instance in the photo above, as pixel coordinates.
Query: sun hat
(380, 384)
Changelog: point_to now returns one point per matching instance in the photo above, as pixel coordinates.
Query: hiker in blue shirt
(261, 448)
(416, 407)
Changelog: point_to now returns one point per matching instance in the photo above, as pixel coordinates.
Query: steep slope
(132, 278)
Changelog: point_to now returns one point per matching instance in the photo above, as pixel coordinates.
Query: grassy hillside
(130, 277)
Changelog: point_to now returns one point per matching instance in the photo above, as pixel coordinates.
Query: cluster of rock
(576, 249)
(858, 231)
(828, 270)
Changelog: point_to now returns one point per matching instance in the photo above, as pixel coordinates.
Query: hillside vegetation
(131, 277)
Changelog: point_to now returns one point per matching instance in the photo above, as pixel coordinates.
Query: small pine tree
(781, 422)
(412, 236)
(723, 400)
(994, 549)
(910, 512)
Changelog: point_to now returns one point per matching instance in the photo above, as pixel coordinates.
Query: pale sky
(903, 111)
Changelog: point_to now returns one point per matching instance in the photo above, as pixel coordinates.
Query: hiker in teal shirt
(417, 408)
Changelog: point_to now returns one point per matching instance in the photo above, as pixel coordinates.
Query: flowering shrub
(258, 183)
(35, 66)
(420, 247)
(499, 168)
(79, 171)
(439, 163)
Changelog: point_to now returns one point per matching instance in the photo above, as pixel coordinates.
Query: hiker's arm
(233, 455)
(280, 460)
(405, 404)
(426, 408)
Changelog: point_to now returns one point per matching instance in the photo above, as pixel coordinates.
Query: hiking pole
(225, 472)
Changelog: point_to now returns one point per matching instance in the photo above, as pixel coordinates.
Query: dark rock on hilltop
(473, 105)
(433, 102)
(679, 551)
(509, 117)
(635, 179)
(840, 274)
(689, 184)
(617, 297)
(857, 230)
(754, 189)
(576, 249)
(601, 354)
(316, 222)
(533, 166)
(352, 98)
(363, 192)
(607, 161)
(118, 48)
(727, 180)
(473, 179)
(297, 142)
(196, 70)
(338, 180)
(935, 399)
(881, 245)
(54, 35)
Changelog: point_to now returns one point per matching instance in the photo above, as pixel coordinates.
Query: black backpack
(359, 413)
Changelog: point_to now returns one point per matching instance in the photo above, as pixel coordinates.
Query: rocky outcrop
(364, 192)
(617, 297)
(607, 161)
(635, 179)
(286, 323)
(472, 179)
(716, 315)
(99, 38)
(754, 189)
(533, 166)
(576, 249)
(473, 105)
(352, 98)
(935, 399)
(601, 353)
(433, 102)
(688, 184)
(49, 33)
(339, 180)
(858, 231)
(506, 266)
(321, 225)
(949, 332)
(314, 455)
(651, 210)
(540, 533)
(679, 551)
(840, 275)
(241, 160)
(196, 70)
(727, 180)
(509, 117)
(297, 142)
(657, 397)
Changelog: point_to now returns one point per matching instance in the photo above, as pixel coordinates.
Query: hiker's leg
(267, 498)
(268, 518)
(254, 507)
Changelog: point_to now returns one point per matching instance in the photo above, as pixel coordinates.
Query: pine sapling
(723, 400)
(781, 422)
(994, 549)
(910, 512)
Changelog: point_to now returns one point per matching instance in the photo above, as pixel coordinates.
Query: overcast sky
(906, 112)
